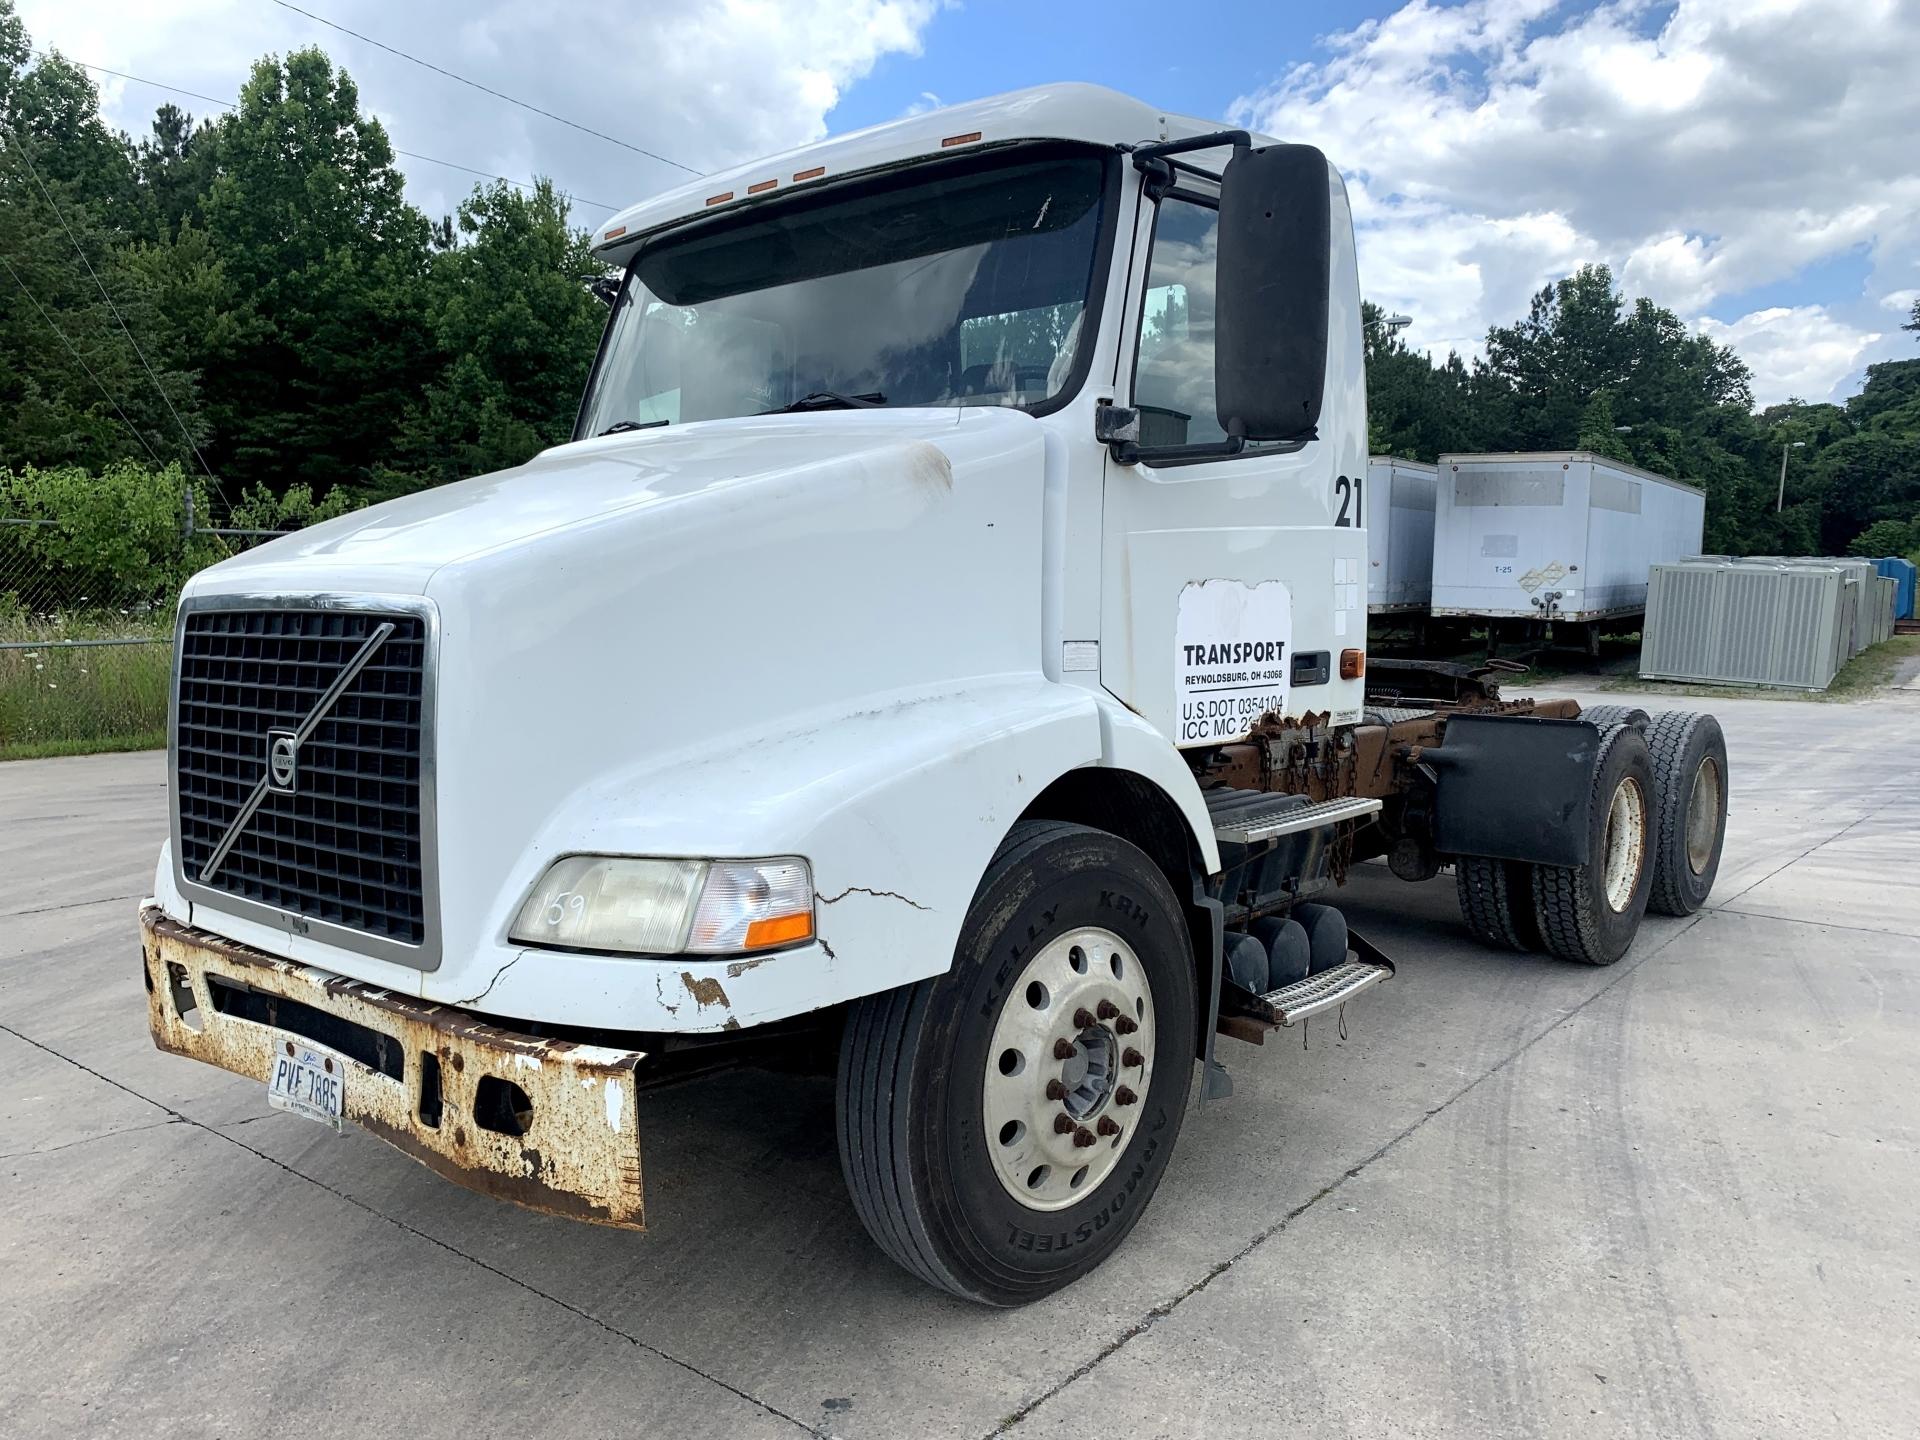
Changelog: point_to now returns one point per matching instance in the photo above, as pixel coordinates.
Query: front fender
(899, 807)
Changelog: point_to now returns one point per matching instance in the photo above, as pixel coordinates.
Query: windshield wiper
(830, 400)
(620, 427)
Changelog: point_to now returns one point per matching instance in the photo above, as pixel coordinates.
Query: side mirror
(1273, 288)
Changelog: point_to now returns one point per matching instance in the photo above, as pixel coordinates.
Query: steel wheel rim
(1053, 1144)
(1626, 844)
(1703, 816)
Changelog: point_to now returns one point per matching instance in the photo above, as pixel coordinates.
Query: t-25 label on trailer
(1230, 661)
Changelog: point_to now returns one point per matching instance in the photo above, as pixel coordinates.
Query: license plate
(309, 1082)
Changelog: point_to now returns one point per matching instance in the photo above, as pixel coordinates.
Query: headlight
(668, 907)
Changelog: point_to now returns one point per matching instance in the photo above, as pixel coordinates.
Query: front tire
(952, 1140)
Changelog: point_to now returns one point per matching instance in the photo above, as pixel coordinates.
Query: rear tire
(1690, 765)
(1607, 716)
(1496, 901)
(1590, 913)
(946, 1118)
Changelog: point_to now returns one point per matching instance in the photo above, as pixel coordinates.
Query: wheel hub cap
(1068, 1068)
(1703, 816)
(1626, 843)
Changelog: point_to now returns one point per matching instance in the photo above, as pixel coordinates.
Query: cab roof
(1088, 113)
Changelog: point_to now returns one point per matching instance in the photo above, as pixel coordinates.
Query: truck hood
(619, 610)
(396, 547)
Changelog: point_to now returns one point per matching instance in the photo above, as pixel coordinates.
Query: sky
(1752, 164)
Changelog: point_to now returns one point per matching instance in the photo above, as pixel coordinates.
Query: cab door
(1234, 575)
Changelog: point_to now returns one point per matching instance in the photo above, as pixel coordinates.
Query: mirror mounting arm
(1153, 161)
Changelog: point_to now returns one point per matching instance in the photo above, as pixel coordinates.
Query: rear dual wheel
(1590, 913)
(1690, 819)
(1003, 1125)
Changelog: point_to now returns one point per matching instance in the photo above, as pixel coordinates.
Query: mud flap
(1514, 787)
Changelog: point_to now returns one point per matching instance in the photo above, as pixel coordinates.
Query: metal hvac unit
(1746, 623)
(1399, 517)
(1886, 606)
(1863, 575)
(1903, 575)
(1564, 535)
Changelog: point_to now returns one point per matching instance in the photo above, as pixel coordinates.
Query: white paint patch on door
(1230, 657)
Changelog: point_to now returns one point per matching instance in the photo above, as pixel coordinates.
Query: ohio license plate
(309, 1082)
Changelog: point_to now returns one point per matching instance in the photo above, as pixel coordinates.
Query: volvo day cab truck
(942, 645)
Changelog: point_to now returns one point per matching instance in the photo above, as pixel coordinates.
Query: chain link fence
(86, 622)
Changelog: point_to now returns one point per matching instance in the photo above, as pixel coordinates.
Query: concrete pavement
(1672, 1197)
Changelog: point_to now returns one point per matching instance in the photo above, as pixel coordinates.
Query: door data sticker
(1230, 660)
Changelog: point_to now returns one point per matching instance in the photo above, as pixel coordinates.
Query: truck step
(1252, 1018)
(1249, 824)
(1328, 990)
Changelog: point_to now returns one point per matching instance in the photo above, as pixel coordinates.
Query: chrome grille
(347, 847)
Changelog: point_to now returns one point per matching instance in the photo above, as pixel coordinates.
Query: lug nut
(1107, 1126)
(1083, 1017)
(1063, 1124)
(1063, 1049)
(1056, 1090)
(1082, 1138)
(1132, 1058)
(1125, 1026)
(1106, 1010)
(1124, 1096)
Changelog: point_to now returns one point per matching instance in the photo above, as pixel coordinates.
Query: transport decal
(1230, 657)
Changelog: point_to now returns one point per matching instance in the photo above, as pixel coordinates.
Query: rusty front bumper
(548, 1124)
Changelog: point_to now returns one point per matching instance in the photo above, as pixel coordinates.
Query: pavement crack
(1166, 1307)
(78, 904)
(176, 1117)
(88, 1139)
(876, 894)
(1817, 845)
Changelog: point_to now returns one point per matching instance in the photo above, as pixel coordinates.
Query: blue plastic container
(1901, 572)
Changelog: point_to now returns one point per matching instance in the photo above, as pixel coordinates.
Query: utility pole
(1781, 503)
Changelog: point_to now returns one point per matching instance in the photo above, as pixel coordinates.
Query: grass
(74, 700)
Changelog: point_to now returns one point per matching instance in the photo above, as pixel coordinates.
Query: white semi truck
(942, 649)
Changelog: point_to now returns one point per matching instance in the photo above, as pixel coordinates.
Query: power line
(486, 89)
(410, 154)
(125, 329)
(158, 463)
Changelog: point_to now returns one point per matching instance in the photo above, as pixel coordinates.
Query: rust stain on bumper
(579, 1155)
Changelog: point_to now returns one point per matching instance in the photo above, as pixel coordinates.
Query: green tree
(73, 386)
(515, 331)
(1887, 537)
(1598, 432)
(174, 166)
(308, 219)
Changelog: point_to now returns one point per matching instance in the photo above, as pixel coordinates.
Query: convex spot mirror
(1270, 336)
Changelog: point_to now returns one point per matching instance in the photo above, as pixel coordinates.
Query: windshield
(962, 284)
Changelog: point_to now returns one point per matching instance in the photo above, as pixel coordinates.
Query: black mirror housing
(1274, 288)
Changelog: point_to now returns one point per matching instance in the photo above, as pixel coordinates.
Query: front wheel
(1003, 1125)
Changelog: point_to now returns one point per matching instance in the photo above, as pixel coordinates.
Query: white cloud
(706, 85)
(1702, 152)
(1794, 351)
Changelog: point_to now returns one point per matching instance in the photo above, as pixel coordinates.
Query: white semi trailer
(1555, 538)
(942, 645)
(1399, 535)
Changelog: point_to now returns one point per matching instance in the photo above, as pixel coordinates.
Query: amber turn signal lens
(1353, 664)
(779, 930)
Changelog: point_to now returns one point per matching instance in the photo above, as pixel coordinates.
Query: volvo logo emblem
(283, 761)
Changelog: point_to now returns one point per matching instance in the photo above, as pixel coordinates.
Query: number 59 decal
(1347, 490)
